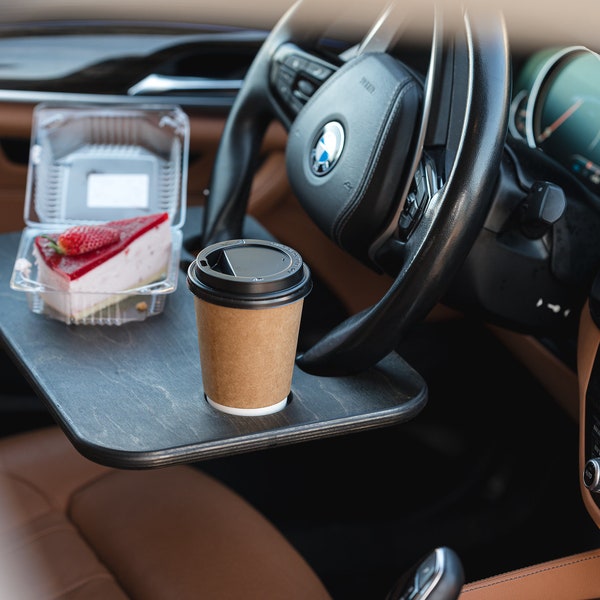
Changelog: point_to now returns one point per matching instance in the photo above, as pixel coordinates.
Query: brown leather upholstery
(72, 529)
(572, 578)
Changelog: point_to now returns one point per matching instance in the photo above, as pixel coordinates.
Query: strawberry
(84, 238)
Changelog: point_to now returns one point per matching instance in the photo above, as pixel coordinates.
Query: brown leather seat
(72, 529)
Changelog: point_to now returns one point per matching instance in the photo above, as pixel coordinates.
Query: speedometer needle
(554, 126)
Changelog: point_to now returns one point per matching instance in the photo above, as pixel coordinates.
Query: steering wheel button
(318, 71)
(306, 87)
(284, 76)
(295, 62)
(295, 103)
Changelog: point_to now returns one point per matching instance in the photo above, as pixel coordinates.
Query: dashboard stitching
(530, 573)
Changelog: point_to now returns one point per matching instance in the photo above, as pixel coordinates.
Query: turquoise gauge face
(556, 108)
(525, 83)
(567, 122)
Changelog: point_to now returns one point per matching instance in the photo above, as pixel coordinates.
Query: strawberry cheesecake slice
(87, 268)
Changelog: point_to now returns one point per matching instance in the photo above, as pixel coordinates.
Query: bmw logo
(327, 148)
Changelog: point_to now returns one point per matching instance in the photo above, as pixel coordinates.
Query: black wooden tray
(131, 396)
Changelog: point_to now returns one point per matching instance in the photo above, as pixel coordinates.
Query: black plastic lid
(249, 274)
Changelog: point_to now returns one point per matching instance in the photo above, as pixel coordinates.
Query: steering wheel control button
(423, 187)
(296, 76)
(306, 88)
(318, 71)
(294, 62)
(248, 298)
(327, 148)
(591, 475)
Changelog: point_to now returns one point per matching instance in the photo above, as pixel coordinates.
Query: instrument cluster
(556, 108)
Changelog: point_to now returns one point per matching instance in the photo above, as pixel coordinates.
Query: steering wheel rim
(425, 262)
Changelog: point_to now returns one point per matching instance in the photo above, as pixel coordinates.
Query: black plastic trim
(595, 300)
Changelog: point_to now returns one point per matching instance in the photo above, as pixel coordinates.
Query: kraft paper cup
(248, 297)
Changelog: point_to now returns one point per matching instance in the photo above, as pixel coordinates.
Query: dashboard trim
(32, 97)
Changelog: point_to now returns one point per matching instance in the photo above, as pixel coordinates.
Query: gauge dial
(557, 109)
(566, 124)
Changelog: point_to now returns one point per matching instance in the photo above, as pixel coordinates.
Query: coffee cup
(248, 298)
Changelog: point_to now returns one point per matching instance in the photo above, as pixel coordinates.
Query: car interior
(437, 167)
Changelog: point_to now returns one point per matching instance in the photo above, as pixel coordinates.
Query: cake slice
(90, 267)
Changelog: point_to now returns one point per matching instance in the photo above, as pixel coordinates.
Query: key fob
(438, 576)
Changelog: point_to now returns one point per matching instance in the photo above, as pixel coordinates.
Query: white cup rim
(249, 412)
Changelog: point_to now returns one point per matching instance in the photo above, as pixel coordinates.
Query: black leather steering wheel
(396, 168)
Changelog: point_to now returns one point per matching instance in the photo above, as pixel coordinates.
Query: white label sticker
(106, 190)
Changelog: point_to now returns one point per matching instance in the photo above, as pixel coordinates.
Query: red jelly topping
(75, 266)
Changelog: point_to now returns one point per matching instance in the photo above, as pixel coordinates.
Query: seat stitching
(529, 573)
(103, 573)
(81, 532)
(38, 534)
(78, 584)
(106, 574)
(89, 483)
(47, 498)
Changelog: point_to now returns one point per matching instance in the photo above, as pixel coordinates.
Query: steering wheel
(397, 168)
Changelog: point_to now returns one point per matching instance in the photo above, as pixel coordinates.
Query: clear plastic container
(95, 164)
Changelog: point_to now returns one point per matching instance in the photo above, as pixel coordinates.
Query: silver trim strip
(160, 84)
(36, 97)
(383, 33)
(537, 85)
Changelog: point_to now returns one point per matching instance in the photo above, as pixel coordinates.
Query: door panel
(588, 363)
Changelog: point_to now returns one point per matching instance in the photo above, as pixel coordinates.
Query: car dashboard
(200, 66)
(534, 265)
(531, 267)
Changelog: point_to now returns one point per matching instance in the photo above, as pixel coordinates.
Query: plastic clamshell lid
(98, 163)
